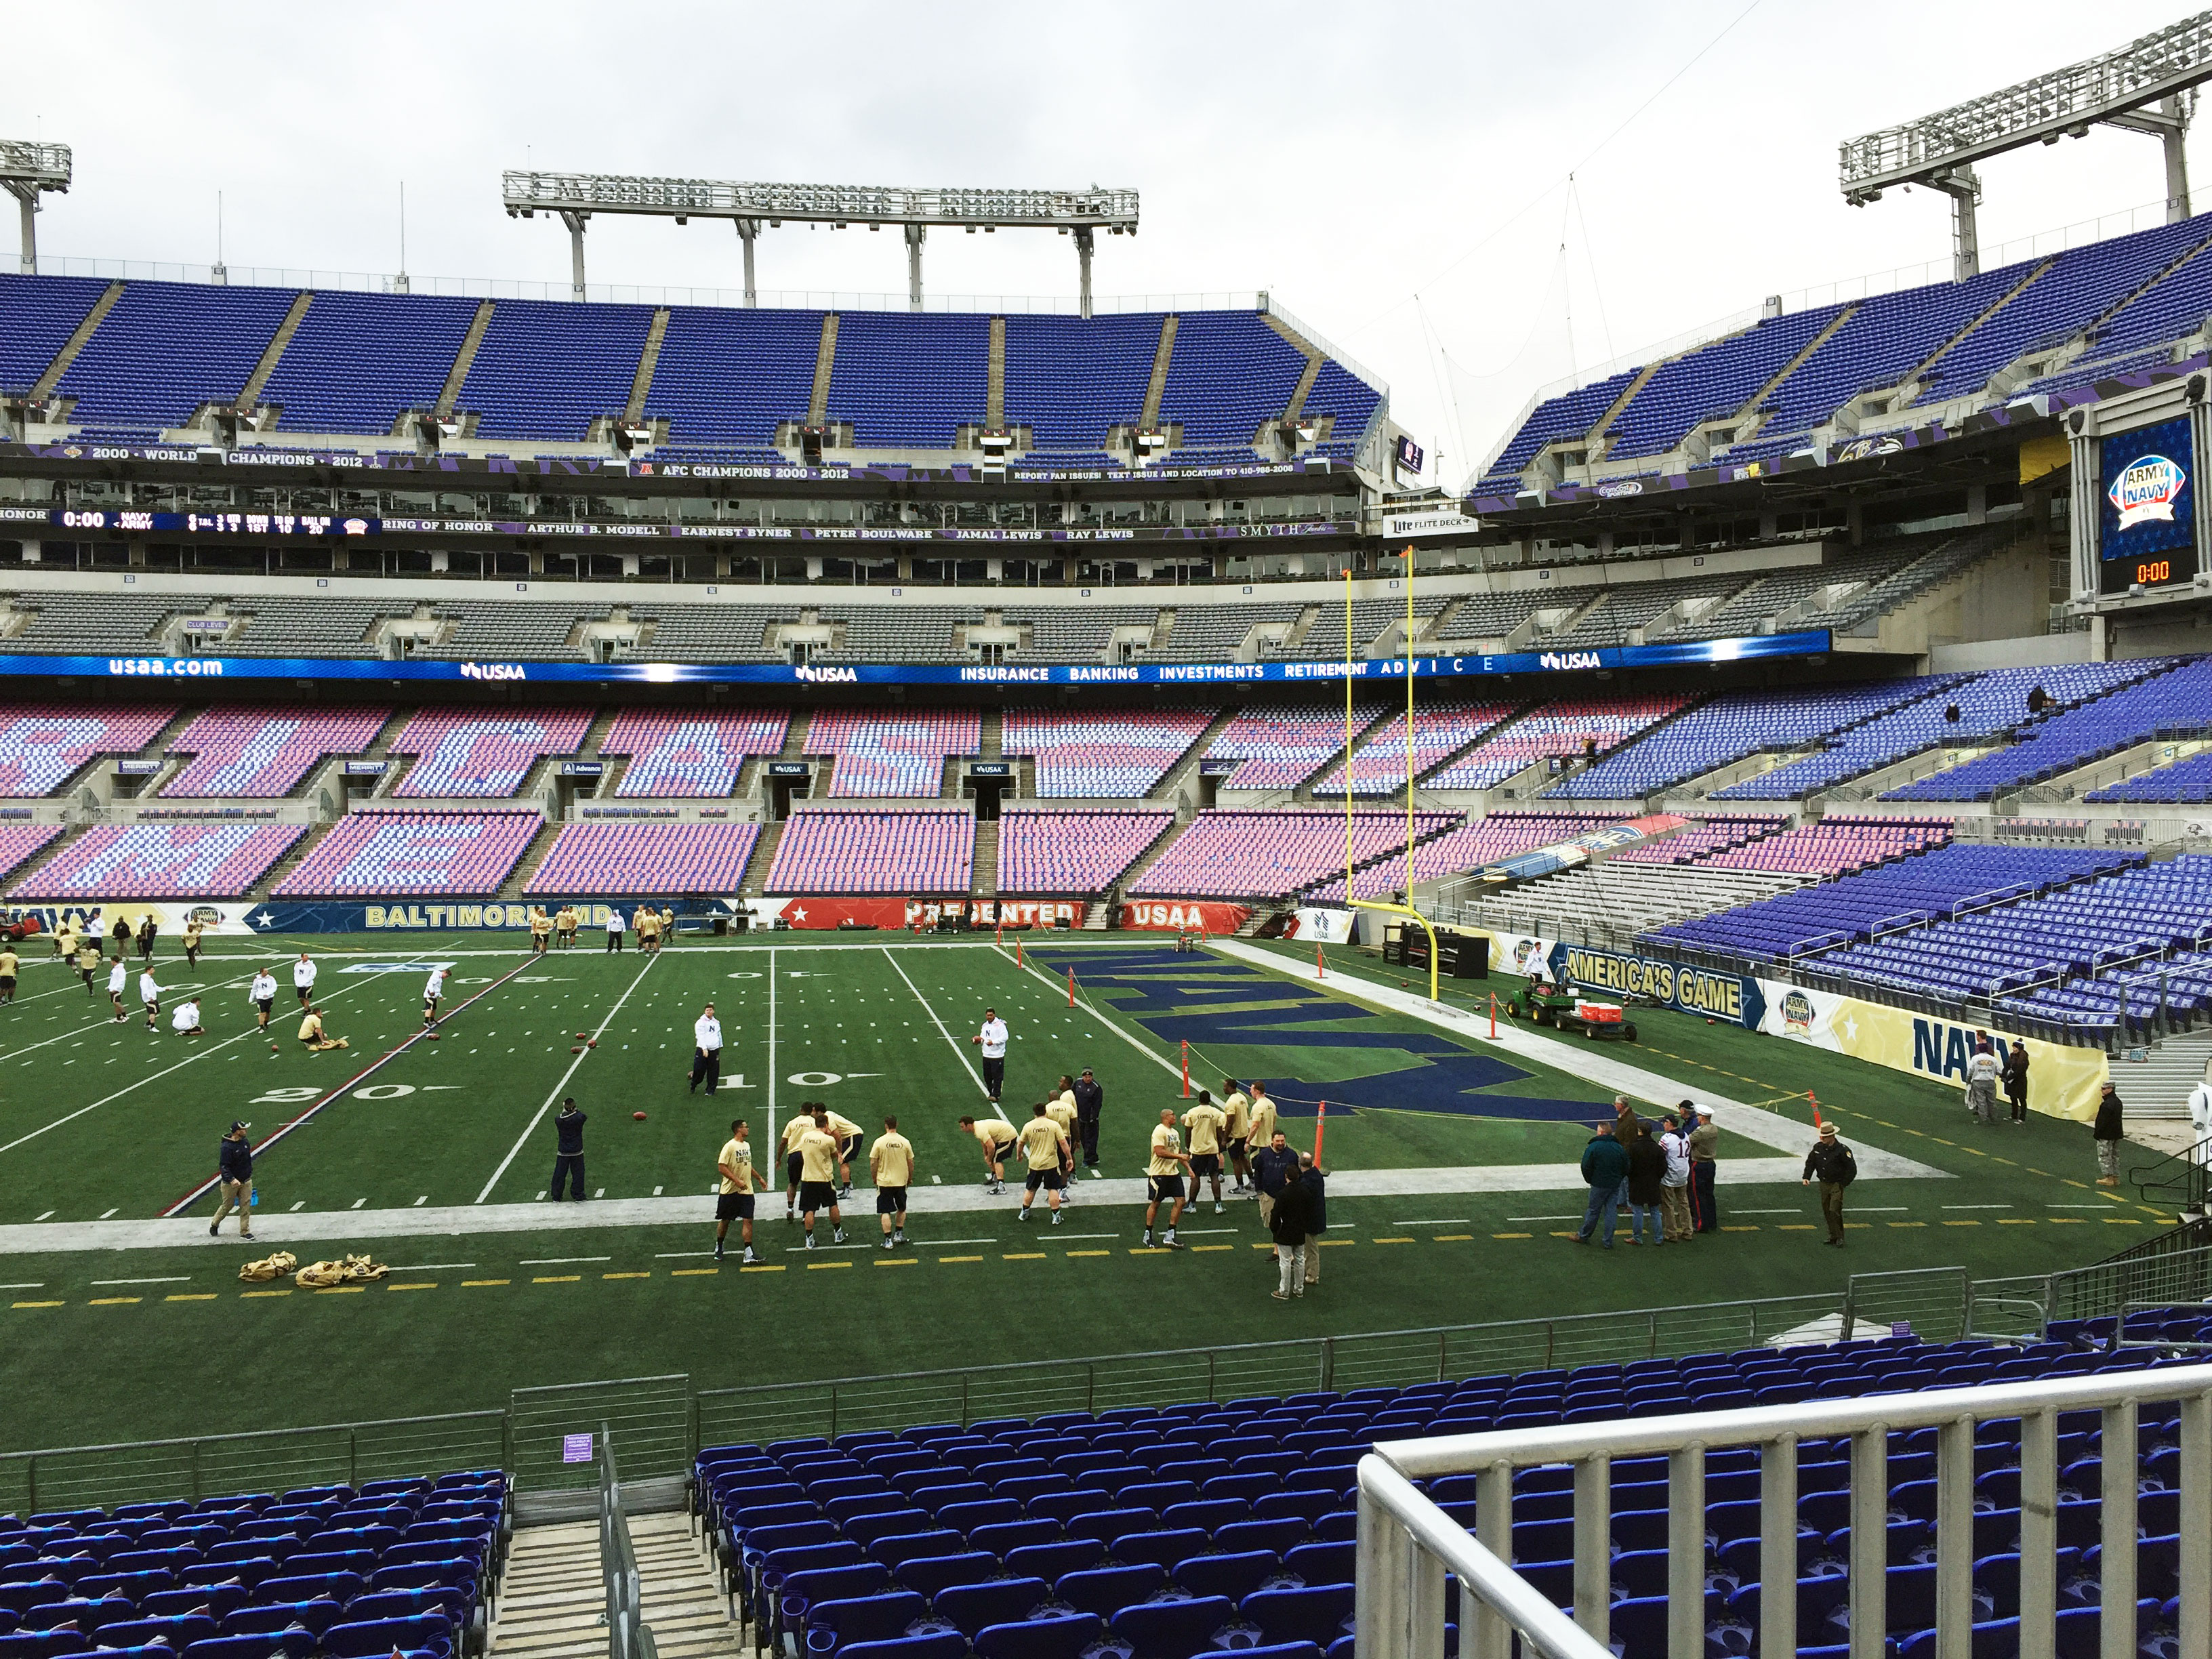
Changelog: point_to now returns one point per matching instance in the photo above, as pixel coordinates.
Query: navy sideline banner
(1811, 643)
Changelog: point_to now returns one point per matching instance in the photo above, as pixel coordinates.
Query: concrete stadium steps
(1303, 790)
(1186, 767)
(754, 882)
(991, 742)
(2158, 1085)
(39, 861)
(532, 856)
(450, 393)
(78, 339)
(259, 892)
(985, 879)
(552, 1598)
(273, 352)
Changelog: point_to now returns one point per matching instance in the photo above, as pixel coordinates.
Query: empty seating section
(2132, 918)
(860, 851)
(549, 368)
(891, 754)
(1564, 418)
(2173, 309)
(313, 628)
(263, 750)
(396, 1566)
(1900, 895)
(1640, 604)
(1230, 374)
(2060, 742)
(1733, 726)
(38, 314)
(734, 375)
(896, 633)
(161, 861)
(1232, 854)
(1072, 853)
(1069, 379)
(44, 744)
(1337, 392)
(1280, 747)
(1700, 841)
(696, 859)
(1442, 726)
(1987, 707)
(1625, 898)
(98, 623)
(1832, 847)
(1457, 851)
(711, 632)
(166, 348)
(1709, 384)
(909, 380)
(1067, 633)
(21, 842)
(357, 361)
(1489, 615)
(2185, 782)
(1369, 617)
(461, 752)
(691, 753)
(538, 633)
(405, 854)
(1559, 730)
(1101, 754)
(1214, 633)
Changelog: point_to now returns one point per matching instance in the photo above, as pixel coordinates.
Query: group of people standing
(1663, 1176)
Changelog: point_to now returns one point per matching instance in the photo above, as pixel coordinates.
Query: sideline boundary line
(959, 1053)
(1096, 1012)
(375, 1065)
(521, 1140)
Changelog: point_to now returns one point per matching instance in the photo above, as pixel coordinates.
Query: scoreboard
(2146, 509)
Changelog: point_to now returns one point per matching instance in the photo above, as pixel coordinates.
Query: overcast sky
(1394, 175)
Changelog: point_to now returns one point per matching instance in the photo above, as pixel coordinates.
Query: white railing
(1407, 1545)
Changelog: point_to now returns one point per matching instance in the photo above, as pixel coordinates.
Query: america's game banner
(1705, 991)
(2062, 1081)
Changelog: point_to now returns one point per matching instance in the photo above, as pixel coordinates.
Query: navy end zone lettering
(2146, 510)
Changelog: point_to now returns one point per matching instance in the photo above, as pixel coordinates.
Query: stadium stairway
(985, 880)
(259, 892)
(552, 1598)
(1303, 791)
(526, 867)
(1178, 777)
(755, 882)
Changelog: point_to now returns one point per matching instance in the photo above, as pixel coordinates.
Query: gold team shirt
(793, 1130)
(1062, 1110)
(993, 1133)
(1238, 1109)
(843, 1127)
(193, 934)
(540, 923)
(818, 1154)
(310, 1028)
(7, 964)
(1041, 1140)
(892, 1159)
(1205, 1123)
(88, 956)
(1166, 1143)
(1262, 1129)
(738, 1156)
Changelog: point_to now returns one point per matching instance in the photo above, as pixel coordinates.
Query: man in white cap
(2199, 1118)
(1704, 1217)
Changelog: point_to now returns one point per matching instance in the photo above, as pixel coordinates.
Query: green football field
(432, 1156)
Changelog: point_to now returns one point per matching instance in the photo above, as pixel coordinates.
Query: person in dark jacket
(2015, 1079)
(1090, 1102)
(233, 1181)
(569, 1151)
(147, 930)
(1290, 1220)
(2108, 1132)
(1831, 1163)
(1605, 1166)
(1647, 1177)
(1317, 1185)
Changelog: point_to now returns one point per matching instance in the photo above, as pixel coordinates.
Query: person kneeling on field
(313, 1036)
(186, 1022)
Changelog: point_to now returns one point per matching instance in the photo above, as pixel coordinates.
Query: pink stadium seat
(468, 752)
(1103, 755)
(42, 744)
(1468, 847)
(891, 754)
(689, 752)
(874, 852)
(263, 750)
(1280, 748)
(1835, 846)
(1559, 729)
(646, 857)
(1697, 843)
(401, 854)
(1440, 728)
(21, 842)
(1072, 853)
(162, 860)
(1232, 854)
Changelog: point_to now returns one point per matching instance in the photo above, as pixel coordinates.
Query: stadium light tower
(575, 196)
(2116, 89)
(27, 169)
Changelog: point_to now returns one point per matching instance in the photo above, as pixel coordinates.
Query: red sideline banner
(1178, 915)
(900, 913)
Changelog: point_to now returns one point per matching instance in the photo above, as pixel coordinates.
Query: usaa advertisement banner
(1728, 997)
(2062, 1081)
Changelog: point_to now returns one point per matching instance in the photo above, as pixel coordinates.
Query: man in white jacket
(2200, 1117)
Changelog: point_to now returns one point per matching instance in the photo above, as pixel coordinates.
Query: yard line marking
(40, 1285)
(1543, 1218)
(1091, 1008)
(679, 1255)
(307, 1115)
(771, 1046)
(1449, 1221)
(560, 1260)
(358, 1202)
(1064, 1236)
(104, 1214)
(431, 1267)
(48, 1216)
(1977, 1206)
(180, 1279)
(523, 1139)
(1196, 1232)
(959, 1053)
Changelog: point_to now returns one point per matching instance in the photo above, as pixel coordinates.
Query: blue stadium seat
(1106, 1590)
(1172, 1630)
(1064, 1635)
(969, 1607)
(1233, 1576)
(1310, 1614)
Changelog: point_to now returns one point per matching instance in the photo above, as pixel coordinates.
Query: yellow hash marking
(1196, 1248)
(342, 1289)
(1397, 1240)
(556, 1279)
(204, 1295)
(1023, 1255)
(431, 1285)
(257, 1294)
(51, 1304)
(764, 1267)
(111, 1301)
(1513, 1235)
(814, 1267)
(625, 1275)
(900, 1261)
(2066, 1220)
(1797, 1227)
(1453, 1238)
(1962, 1224)
(696, 1272)
(469, 1284)
(976, 1258)
(1740, 1230)
(2015, 1221)
(1908, 1224)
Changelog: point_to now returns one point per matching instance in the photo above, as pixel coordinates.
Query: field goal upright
(1351, 900)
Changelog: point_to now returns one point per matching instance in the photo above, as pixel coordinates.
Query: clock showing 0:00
(2151, 570)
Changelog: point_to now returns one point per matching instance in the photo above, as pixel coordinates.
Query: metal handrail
(1402, 1535)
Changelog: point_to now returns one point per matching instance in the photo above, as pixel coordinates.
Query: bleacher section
(1230, 374)
(511, 633)
(1069, 379)
(733, 376)
(1073, 854)
(1700, 841)
(463, 752)
(44, 744)
(1834, 846)
(857, 851)
(280, 627)
(407, 854)
(89, 624)
(1625, 898)
(1561, 731)
(1061, 634)
(906, 380)
(263, 750)
(357, 361)
(1271, 855)
(549, 368)
(652, 859)
(21, 842)
(899, 633)
(403, 1565)
(1441, 728)
(2185, 782)
(891, 754)
(1213, 633)
(1280, 747)
(1369, 617)
(1105, 754)
(694, 754)
(38, 314)
(713, 632)
(1468, 848)
(167, 348)
(161, 860)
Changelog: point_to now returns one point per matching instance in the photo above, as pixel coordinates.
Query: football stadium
(663, 793)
